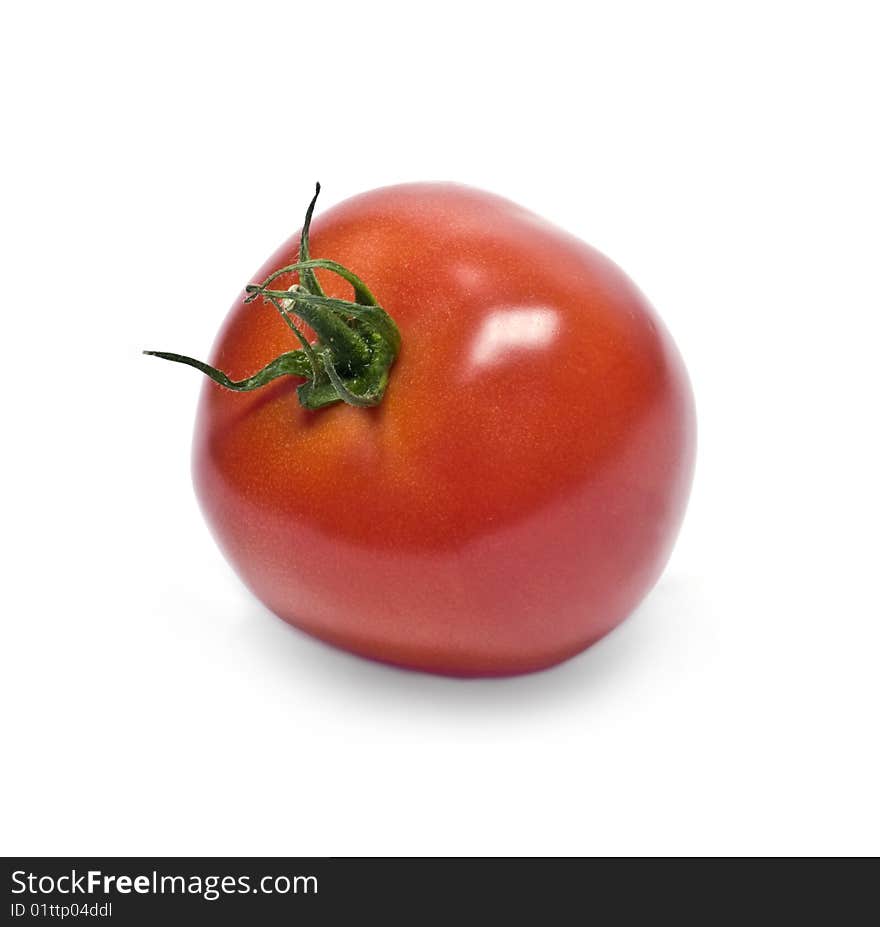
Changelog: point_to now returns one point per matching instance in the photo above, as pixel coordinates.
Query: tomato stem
(357, 341)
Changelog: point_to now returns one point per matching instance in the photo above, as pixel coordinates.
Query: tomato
(519, 487)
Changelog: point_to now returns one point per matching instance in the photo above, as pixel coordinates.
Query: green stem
(373, 314)
(350, 350)
(293, 363)
(308, 278)
(357, 342)
(362, 291)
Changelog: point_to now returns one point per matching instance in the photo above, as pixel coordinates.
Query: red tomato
(519, 488)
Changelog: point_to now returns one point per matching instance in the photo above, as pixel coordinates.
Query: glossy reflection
(509, 329)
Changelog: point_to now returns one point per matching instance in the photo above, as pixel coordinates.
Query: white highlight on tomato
(508, 329)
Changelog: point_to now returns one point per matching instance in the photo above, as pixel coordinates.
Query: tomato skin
(520, 487)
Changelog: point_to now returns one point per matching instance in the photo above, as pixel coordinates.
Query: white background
(726, 155)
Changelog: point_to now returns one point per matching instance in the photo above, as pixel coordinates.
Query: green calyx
(357, 341)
